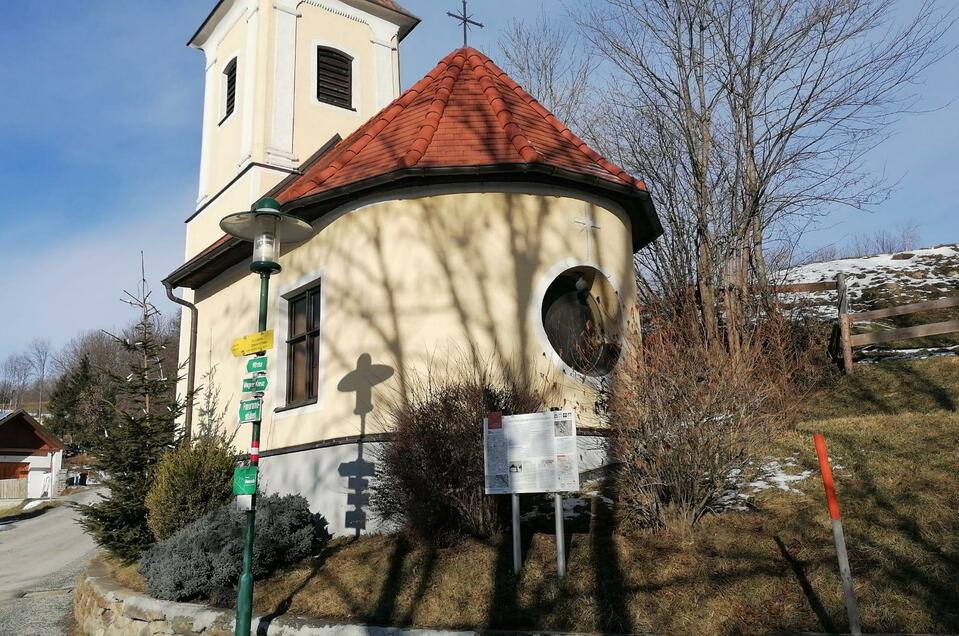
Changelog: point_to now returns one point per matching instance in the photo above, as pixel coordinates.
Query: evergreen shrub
(141, 429)
(203, 560)
(190, 481)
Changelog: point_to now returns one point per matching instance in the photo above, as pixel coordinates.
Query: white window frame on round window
(536, 313)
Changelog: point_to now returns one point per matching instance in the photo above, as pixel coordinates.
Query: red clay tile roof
(465, 121)
(466, 112)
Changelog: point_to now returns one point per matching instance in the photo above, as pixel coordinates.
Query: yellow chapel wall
(314, 119)
(416, 284)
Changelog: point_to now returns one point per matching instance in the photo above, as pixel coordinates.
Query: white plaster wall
(39, 470)
(318, 475)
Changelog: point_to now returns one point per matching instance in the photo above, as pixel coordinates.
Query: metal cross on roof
(466, 19)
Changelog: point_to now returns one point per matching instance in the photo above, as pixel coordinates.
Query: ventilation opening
(334, 77)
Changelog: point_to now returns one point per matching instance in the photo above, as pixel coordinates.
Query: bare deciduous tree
(99, 348)
(745, 114)
(16, 371)
(885, 241)
(38, 353)
(553, 65)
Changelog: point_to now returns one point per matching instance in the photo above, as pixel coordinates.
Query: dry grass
(920, 386)
(769, 569)
(18, 511)
(125, 574)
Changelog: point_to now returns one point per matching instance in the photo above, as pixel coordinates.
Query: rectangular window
(230, 89)
(334, 77)
(303, 347)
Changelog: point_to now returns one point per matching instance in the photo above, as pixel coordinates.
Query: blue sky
(100, 140)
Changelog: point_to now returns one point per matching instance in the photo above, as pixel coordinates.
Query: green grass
(892, 432)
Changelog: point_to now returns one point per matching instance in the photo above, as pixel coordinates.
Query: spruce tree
(79, 406)
(142, 427)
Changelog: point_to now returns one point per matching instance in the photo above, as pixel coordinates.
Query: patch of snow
(772, 473)
(872, 271)
(30, 505)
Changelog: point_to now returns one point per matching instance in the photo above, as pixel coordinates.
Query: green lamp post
(267, 228)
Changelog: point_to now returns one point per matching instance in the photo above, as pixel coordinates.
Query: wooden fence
(845, 318)
(13, 488)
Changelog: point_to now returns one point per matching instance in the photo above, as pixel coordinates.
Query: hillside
(888, 280)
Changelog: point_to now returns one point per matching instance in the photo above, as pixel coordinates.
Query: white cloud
(55, 287)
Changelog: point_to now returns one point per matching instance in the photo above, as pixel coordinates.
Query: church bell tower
(282, 78)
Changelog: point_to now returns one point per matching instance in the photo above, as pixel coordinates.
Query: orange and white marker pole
(851, 608)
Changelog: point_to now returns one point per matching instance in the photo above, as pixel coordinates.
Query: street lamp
(267, 228)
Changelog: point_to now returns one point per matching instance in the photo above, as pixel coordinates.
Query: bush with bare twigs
(430, 477)
(688, 419)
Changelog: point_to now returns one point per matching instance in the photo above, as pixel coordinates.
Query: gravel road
(41, 558)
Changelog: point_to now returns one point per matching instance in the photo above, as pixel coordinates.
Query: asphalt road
(40, 559)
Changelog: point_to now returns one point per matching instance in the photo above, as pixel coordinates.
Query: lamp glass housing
(266, 227)
(266, 244)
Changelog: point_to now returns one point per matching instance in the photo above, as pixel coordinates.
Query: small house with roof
(456, 223)
(30, 458)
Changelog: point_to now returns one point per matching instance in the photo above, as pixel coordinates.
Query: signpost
(256, 364)
(253, 343)
(532, 453)
(251, 410)
(244, 480)
(267, 227)
(255, 384)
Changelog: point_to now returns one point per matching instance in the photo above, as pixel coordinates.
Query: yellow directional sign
(253, 343)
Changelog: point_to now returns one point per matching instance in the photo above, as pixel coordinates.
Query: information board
(533, 452)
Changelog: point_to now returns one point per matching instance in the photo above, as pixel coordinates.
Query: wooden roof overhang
(49, 439)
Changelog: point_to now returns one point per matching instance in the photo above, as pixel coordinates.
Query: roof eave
(52, 440)
(199, 37)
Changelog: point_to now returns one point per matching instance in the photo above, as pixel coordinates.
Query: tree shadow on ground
(902, 381)
(799, 569)
(611, 588)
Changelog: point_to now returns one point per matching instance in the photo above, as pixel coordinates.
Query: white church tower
(283, 77)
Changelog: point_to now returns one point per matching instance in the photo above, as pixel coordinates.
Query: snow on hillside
(886, 279)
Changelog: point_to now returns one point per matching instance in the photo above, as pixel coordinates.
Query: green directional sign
(250, 410)
(244, 480)
(256, 364)
(255, 384)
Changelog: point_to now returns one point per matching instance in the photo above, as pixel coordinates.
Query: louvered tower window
(334, 77)
(229, 74)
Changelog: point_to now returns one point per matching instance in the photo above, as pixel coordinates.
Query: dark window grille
(230, 72)
(303, 347)
(334, 77)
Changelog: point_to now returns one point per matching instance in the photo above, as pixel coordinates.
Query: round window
(581, 316)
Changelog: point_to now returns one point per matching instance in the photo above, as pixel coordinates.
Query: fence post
(843, 311)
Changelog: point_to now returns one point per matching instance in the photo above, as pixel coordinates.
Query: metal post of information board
(560, 535)
(517, 548)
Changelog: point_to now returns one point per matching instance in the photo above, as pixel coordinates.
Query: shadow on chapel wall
(361, 381)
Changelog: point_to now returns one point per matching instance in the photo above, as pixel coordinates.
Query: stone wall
(103, 607)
